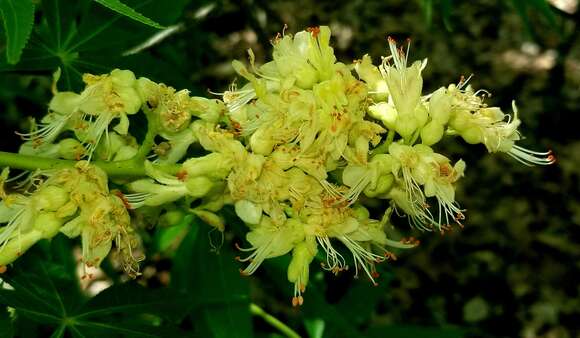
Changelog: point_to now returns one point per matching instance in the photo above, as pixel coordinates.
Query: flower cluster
(75, 201)
(300, 151)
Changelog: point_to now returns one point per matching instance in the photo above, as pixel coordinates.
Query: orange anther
(314, 31)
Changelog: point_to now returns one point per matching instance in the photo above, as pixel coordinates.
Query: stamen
(136, 200)
(361, 256)
(531, 158)
(47, 132)
(335, 262)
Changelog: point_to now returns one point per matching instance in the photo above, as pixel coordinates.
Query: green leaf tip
(129, 12)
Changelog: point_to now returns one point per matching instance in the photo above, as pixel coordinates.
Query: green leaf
(84, 36)
(446, 9)
(129, 12)
(359, 312)
(134, 299)
(18, 17)
(131, 310)
(428, 11)
(315, 328)
(46, 291)
(526, 7)
(213, 282)
(38, 279)
(168, 238)
(315, 307)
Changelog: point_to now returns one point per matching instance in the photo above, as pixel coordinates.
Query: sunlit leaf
(129, 12)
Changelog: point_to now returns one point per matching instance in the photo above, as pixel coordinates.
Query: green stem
(127, 168)
(384, 147)
(275, 322)
(149, 140)
(415, 137)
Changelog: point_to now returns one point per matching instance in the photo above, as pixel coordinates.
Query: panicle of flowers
(315, 156)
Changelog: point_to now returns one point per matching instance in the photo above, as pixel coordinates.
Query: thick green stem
(128, 168)
(275, 322)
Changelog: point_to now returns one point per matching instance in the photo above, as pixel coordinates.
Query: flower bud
(384, 184)
(432, 133)
(306, 77)
(14, 248)
(299, 267)
(406, 125)
(198, 186)
(211, 219)
(440, 106)
(48, 224)
(248, 211)
(472, 135)
(68, 209)
(50, 198)
(384, 112)
(70, 149)
(261, 142)
(214, 165)
(360, 213)
(421, 115)
(383, 163)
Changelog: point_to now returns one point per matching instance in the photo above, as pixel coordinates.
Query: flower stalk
(127, 168)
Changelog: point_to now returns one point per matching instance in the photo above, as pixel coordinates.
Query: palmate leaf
(83, 36)
(45, 291)
(219, 295)
(17, 17)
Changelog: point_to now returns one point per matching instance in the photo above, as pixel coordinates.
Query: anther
(314, 31)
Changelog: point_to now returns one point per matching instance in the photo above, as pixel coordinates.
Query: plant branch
(128, 168)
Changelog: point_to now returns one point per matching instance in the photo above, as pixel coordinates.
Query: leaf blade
(121, 8)
(18, 19)
(222, 308)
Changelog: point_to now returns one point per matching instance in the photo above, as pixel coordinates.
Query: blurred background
(513, 271)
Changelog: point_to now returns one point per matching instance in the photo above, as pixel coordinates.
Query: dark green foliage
(45, 291)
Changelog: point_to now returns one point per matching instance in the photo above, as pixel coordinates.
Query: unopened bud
(432, 133)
